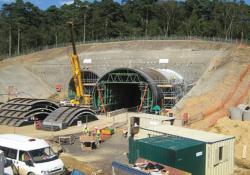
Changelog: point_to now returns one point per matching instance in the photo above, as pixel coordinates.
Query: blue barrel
(77, 172)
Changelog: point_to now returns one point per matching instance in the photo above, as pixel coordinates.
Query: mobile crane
(76, 71)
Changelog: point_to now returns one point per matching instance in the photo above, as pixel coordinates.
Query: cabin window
(220, 153)
(24, 156)
(135, 121)
(9, 153)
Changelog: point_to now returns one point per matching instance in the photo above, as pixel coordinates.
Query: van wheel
(31, 174)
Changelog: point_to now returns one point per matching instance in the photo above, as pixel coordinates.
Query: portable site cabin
(177, 152)
(219, 149)
(147, 120)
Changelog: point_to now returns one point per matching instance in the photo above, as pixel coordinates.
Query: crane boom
(76, 70)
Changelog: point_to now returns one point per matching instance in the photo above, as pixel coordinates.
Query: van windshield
(43, 155)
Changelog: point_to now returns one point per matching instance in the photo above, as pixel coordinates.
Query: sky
(44, 4)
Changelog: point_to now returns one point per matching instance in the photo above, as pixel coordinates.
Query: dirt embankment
(125, 45)
(36, 75)
(225, 83)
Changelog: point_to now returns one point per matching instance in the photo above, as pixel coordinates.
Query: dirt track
(31, 131)
(113, 149)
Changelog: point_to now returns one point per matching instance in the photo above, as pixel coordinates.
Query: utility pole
(146, 22)
(84, 28)
(85, 9)
(55, 35)
(9, 8)
(10, 39)
(106, 26)
(18, 39)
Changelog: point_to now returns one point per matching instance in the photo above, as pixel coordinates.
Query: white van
(8, 168)
(5, 165)
(30, 156)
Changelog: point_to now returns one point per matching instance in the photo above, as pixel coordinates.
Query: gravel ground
(113, 149)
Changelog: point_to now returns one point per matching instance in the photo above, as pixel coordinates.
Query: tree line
(23, 26)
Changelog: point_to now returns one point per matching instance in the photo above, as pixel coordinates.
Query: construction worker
(125, 133)
(85, 130)
(98, 136)
(94, 131)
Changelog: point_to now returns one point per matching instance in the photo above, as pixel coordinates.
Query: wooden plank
(244, 152)
(170, 98)
(164, 85)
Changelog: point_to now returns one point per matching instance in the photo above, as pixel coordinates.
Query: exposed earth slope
(36, 75)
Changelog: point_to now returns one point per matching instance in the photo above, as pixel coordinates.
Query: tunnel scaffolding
(146, 104)
(109, 100)
(139, 90)
(172, 93)
(89, 80)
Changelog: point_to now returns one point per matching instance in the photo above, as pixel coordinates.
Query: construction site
(194, 84)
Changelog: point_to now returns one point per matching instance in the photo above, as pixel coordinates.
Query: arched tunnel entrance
(125, 95)
(122, 88)
(137, 90)
(89, 79)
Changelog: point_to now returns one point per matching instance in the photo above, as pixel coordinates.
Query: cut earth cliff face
(36, 75)
(225, 83)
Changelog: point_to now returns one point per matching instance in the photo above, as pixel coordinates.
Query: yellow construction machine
(80, 98)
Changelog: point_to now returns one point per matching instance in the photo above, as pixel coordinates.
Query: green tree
(24, 26)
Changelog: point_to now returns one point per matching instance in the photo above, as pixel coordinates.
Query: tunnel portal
(137, 89)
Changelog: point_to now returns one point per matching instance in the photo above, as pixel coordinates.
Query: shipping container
(177, 152)
(219, 148)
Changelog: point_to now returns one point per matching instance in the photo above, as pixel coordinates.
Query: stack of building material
(88, 142)
(21, 111)
(106, 133)
(67, 116)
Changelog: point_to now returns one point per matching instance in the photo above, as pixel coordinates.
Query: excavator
(80, 98)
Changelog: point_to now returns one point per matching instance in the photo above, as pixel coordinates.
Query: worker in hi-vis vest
(98, 136)
(85, 130)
